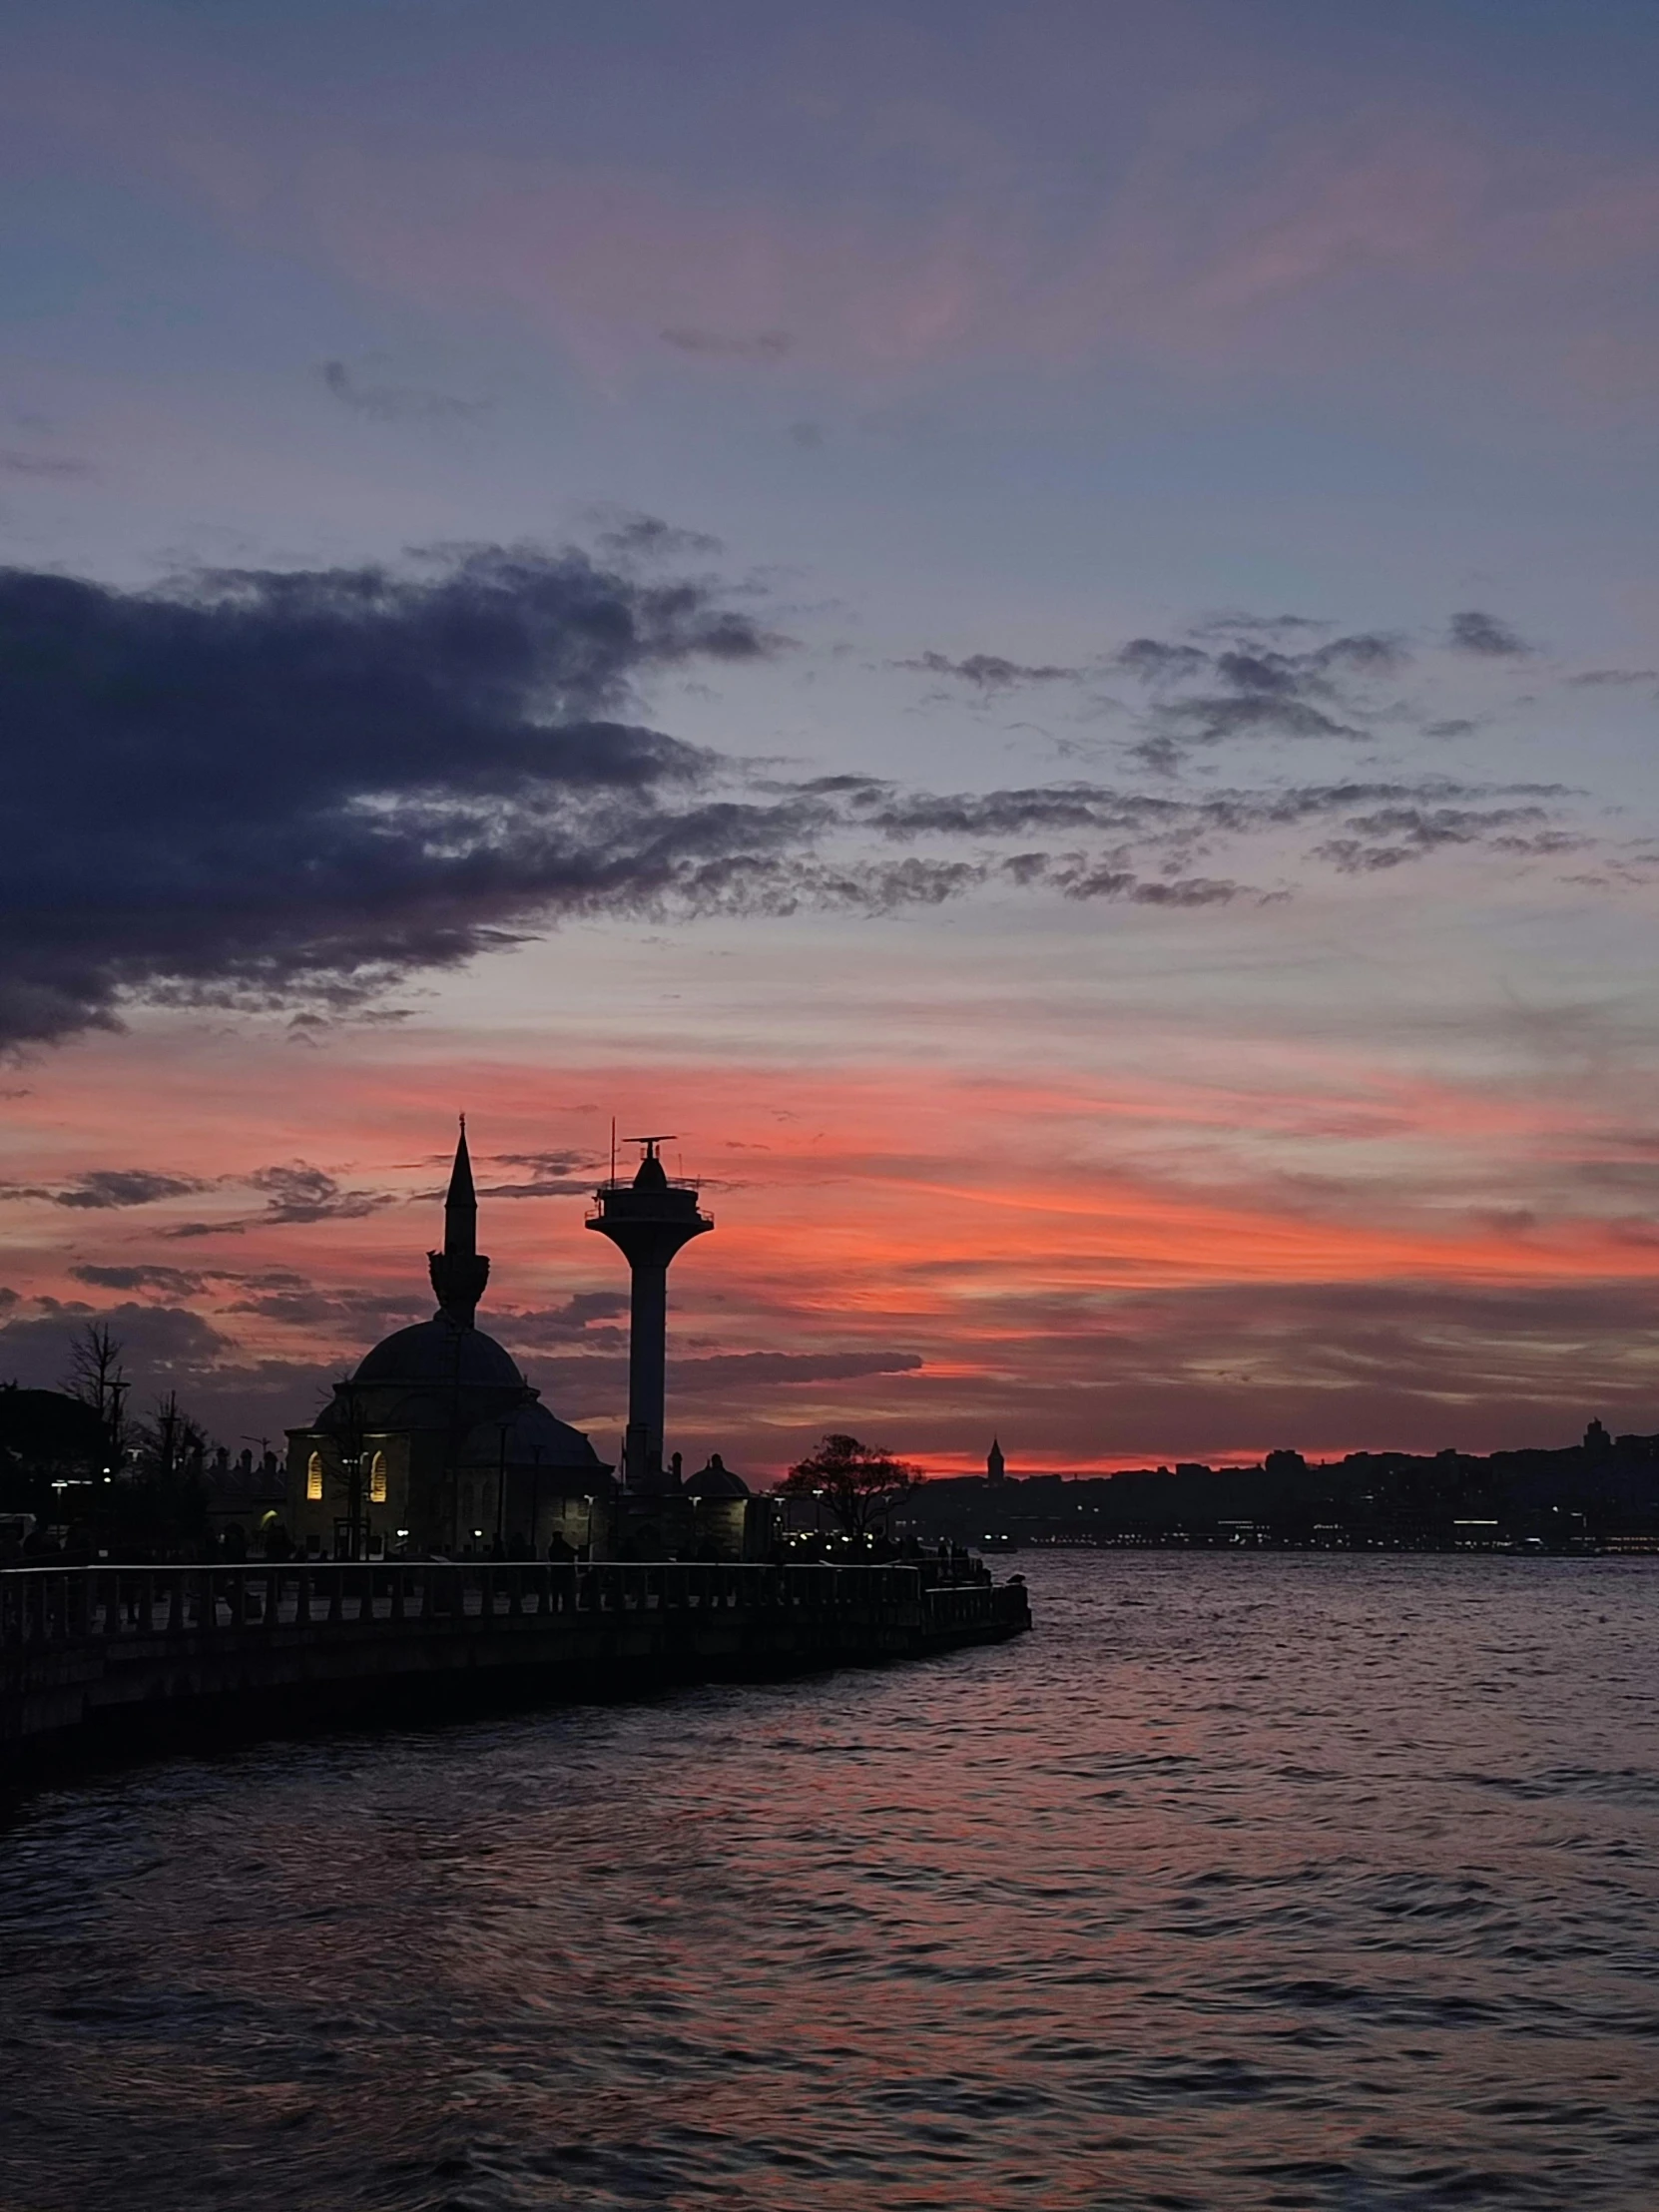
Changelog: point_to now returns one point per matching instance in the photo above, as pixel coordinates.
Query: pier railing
(59, 1606)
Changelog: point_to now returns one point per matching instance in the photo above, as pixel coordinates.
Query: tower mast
(647, 1219)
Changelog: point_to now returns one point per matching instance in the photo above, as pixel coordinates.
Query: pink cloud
(1235, 232)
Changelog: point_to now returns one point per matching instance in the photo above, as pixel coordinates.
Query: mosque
(437, 1444)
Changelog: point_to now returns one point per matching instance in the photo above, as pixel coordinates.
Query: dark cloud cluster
(1393, 836)
(292, 1192)
(98, 1190)
(172, 1282)
(1240, 622)
(1367, 825)
(292, 790)
(1451, 1343)
(302, 1193)
(571, 1187)
(590, 1319)
(1251, 685)
(353, 1313)
(383, 402)
(1486, 635)
(274, 1294)
(548, 1164)
(101, 1188)
(635, 536)
(1234, 677)
(990, 672)
(163, 1343)
(740, 1371)
(259, 788)
(591, 1375)
(1156, 661)
(553, 1175)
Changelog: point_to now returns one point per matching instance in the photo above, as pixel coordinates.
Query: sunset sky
(1037, 628)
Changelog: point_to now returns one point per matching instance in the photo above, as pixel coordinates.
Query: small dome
(716, 1480)
(533, 1438)
(437, 1353)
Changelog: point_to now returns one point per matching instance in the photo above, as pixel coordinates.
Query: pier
(100, 1660)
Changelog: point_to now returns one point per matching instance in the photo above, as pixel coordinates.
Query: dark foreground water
(1244, 1881)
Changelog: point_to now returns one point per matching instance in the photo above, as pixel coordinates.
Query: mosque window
(377, 1479)
(313, 1477)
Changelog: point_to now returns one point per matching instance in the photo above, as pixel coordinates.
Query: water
(1245, 1882)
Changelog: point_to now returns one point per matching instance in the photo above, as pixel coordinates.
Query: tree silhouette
(859, 1483)
(98, 1379)
(170, 1441)
(164, 1507)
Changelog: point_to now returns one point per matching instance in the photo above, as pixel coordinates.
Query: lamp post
(501, 1488)
(352, 1457)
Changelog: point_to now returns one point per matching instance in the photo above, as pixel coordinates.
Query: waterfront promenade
(111, 1658)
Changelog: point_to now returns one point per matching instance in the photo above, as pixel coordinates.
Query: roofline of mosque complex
(437, 1444)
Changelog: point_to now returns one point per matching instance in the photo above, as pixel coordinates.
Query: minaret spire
(460, 1207)
(460, 1271)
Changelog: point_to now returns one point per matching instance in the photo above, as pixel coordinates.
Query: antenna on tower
(613, 1148)
(651, 1142)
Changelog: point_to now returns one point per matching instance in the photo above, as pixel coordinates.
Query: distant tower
(994, 1462)
(460, 1271)
(647, 1219)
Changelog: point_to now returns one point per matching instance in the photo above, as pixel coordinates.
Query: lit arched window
(313, 1477)
(377, 1479)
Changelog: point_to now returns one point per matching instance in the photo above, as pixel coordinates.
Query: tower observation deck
(648, 1217)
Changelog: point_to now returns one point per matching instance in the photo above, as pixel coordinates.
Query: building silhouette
(437, 1442)
(1599, 1494)
(995, 1465)
(649, 1217)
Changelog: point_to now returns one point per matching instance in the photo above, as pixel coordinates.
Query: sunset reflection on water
(1244, 1881)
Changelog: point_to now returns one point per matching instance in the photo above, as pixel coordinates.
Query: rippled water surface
(1244, 1881)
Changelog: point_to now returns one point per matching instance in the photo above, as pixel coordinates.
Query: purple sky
(1069, 698)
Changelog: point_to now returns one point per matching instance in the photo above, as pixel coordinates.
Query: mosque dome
(437, 1354)
(438, 1420)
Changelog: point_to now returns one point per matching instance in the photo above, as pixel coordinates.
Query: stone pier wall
(111, 1658)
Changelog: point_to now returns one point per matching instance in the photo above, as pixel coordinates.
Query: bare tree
(173, 1441)
(98, 1379)
(162, 1510)
(859, 1483)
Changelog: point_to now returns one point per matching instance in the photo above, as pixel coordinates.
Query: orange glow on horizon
(988, 1230)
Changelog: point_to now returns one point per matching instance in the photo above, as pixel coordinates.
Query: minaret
(460, 1270)
(647, 1219)
(994, 1462)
